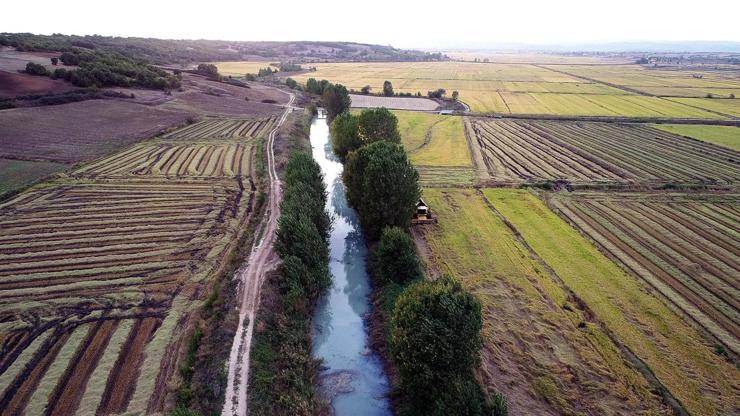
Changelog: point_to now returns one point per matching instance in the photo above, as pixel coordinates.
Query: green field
(671, 348)
(537, 351)
(17, 173)
(727, 136)
(433, 139)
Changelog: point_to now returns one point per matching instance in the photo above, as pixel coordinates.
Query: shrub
(209, 70)
(394, 259)
(33, 68)
(387, 89)
(499, 406)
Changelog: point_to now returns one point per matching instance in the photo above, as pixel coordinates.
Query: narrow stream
(352, 373)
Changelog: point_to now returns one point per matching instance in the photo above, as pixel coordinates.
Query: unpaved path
(250, 278)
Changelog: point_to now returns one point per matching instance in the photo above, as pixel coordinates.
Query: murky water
(351, 372)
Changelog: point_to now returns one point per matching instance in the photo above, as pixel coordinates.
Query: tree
(345, 135)
(732, 96)
(250, 77)
(335, 99)
(387, 89)
(69, 58)
(394, 258)
(54, 61)
(455, 95)
(291, 83)
(33, 68)
(209, 70)
(382, 185)
(438, 93)
(377, 124)
(366, 89)
(435, 341)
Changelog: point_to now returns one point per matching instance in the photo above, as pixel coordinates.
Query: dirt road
(251, 276)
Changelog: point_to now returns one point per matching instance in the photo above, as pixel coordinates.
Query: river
(351, 372)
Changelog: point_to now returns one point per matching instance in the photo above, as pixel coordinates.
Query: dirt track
(250, 278)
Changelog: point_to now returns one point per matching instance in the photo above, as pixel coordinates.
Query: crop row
(588, 151)
(687, 249)
(175, 159)
(221, 128)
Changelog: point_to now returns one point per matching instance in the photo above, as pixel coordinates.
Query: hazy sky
(397, 22)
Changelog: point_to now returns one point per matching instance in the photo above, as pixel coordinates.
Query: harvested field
(80, 131)
(702, 381)
(395, 103)
(12, 60)
(727, 136)
(13, 84)
(540, 349)
(685, 246)
(224, 128)
(101, 272)
(17, 173)
(583, 152)
(214, 105)
(241, 68)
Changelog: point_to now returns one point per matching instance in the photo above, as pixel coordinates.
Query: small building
(446, 112)
(423, 214)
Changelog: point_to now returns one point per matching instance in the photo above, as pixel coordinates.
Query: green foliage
(376, 124)
(33, 68)
(316, 87)
(387, 88)
(290, 67)
(382, 185)
(263, 72)
(438, 93)
(185, 394)
(292, 84)
(345, 135)
(335, 99)
(394, 259)
(455, 95)
(499, 406)
(69, 58)
(365, 90)
(435, 335)
(209, 70)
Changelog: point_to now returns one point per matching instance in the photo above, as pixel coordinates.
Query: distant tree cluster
(264, 72)
(438, 93)
(292, 84)
(106, 69)
(290, 67)
(209, 70)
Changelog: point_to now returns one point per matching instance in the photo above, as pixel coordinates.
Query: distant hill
(170, 51)
(641, 46)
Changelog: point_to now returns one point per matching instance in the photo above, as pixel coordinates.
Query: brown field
(597, 152)
(13, 84)
(80, 131)
(100, 273)
(12, 60)
(17, 173)
(686, 246)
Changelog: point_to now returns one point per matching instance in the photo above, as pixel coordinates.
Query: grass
(672, 349)
(433, 139)
(531, 327)
(15, 174)
(727, 136)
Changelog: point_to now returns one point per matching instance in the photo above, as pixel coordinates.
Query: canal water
(351, 373)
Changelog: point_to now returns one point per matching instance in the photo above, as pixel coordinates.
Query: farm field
(102, 271)
(16, 173)
(524, 88)
(583, 152)
(729, 107)
(727, 136)
(393, 103)
(437, 146)
(538, 351)
(81, 131)
(241, 68)
(683, 362)
(685, 246)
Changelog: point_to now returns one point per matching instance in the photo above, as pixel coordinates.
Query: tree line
(434, 335)
(106, 69)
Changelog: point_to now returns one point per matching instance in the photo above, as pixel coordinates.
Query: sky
(401, 23)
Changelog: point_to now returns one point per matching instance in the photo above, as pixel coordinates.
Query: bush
(394, 259)
(69, 58)
(209, 70)
(33, 68)
(387, 89)
(499, 406)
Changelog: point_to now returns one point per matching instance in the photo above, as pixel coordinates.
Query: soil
(13, 84)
